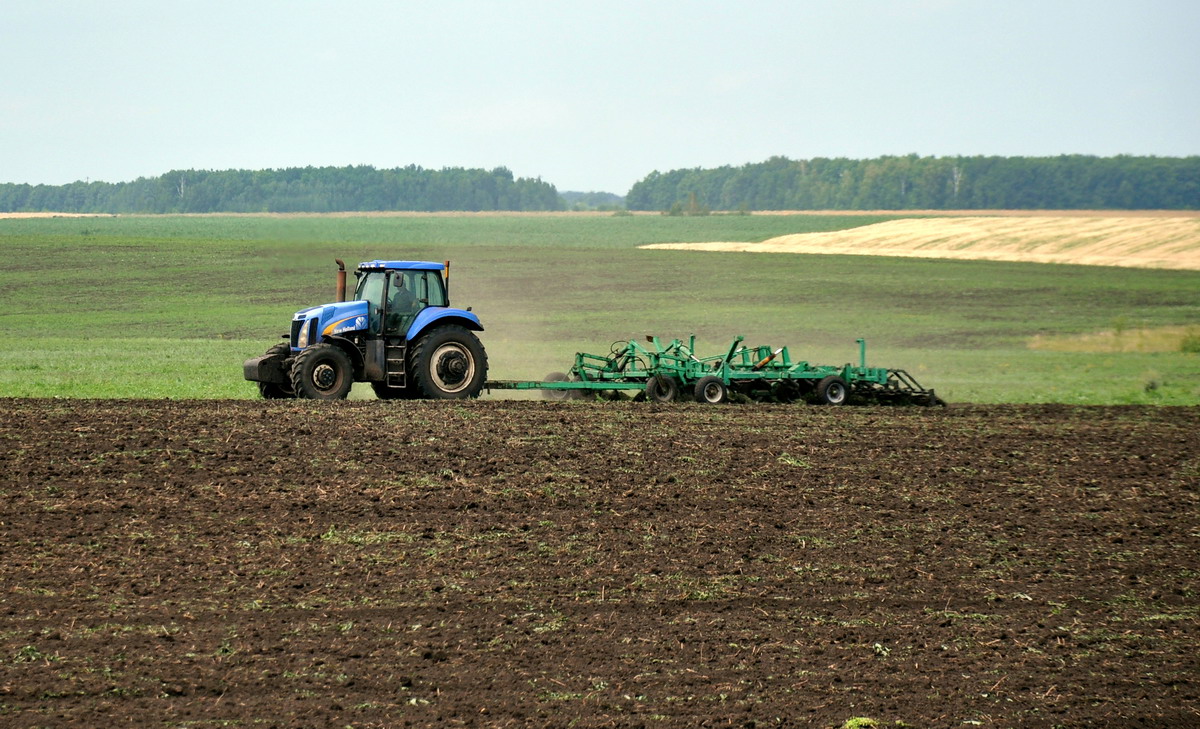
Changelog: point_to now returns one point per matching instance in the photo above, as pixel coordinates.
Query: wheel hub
(836, 393)
(451, 367)
(324, 376)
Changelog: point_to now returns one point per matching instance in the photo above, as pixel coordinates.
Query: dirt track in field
(1143, 242)
(373, 564)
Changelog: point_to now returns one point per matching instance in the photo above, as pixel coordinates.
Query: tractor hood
(311, 325)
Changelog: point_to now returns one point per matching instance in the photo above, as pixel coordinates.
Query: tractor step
(396, 359)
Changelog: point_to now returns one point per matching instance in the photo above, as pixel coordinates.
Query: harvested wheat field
(1141, 242)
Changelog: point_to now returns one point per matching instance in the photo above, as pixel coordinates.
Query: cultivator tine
(902, 382)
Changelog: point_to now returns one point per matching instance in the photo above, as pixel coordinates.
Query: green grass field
(170, 306)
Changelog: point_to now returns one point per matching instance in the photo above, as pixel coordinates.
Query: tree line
(1069, 182)
(306, 189)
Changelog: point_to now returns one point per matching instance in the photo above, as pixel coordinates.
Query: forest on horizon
(1067, 182)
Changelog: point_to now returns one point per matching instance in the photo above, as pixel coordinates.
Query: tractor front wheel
(832, 391)
(449, 363)
(322, 372)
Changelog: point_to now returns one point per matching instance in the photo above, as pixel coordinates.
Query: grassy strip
(169, 306)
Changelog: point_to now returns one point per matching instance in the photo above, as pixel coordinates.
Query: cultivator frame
(665, 373)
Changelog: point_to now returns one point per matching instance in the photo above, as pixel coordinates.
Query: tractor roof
(378, 265)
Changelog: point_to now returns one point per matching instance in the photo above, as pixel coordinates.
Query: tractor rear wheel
(711, 389)
(322, 372)
(449, 363)
(832, 391)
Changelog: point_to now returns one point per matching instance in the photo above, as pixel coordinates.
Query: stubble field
(366, 564)
(1139, 241)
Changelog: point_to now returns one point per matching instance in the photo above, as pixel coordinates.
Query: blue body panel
(351, 316)
(428, 316)
(338, 318)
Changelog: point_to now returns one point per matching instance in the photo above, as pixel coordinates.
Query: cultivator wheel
(559, 395)
(712, 390)
(832, 391)
(662, 388)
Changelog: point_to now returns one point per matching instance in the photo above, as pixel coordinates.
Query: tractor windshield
(370, 288)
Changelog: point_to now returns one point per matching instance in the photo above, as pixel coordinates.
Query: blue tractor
(399, 333)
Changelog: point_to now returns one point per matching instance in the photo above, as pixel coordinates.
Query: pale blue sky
(586, 95)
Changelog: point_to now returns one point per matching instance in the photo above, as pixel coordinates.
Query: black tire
(448, 363)
(712, 390)
(787, 391)
(662, 388)
(383, 392)
(832, 391)
(322, 372)
(277, 390)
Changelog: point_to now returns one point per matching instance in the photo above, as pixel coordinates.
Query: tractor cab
(395, 296)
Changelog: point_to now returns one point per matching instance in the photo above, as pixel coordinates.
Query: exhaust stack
(341, 280)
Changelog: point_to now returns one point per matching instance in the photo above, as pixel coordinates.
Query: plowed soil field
(368, 564)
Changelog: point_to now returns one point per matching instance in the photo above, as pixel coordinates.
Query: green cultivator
(674, 372)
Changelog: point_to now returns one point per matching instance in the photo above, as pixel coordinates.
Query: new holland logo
(346, 326)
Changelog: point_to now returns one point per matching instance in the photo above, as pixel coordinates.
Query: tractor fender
(440, 316)
(352, 351)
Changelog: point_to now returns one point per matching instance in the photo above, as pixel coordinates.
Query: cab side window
(432, 290)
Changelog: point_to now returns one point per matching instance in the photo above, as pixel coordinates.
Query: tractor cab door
(408, 292)
(372, 288)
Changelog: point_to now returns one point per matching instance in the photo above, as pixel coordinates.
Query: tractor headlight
(302, 340)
